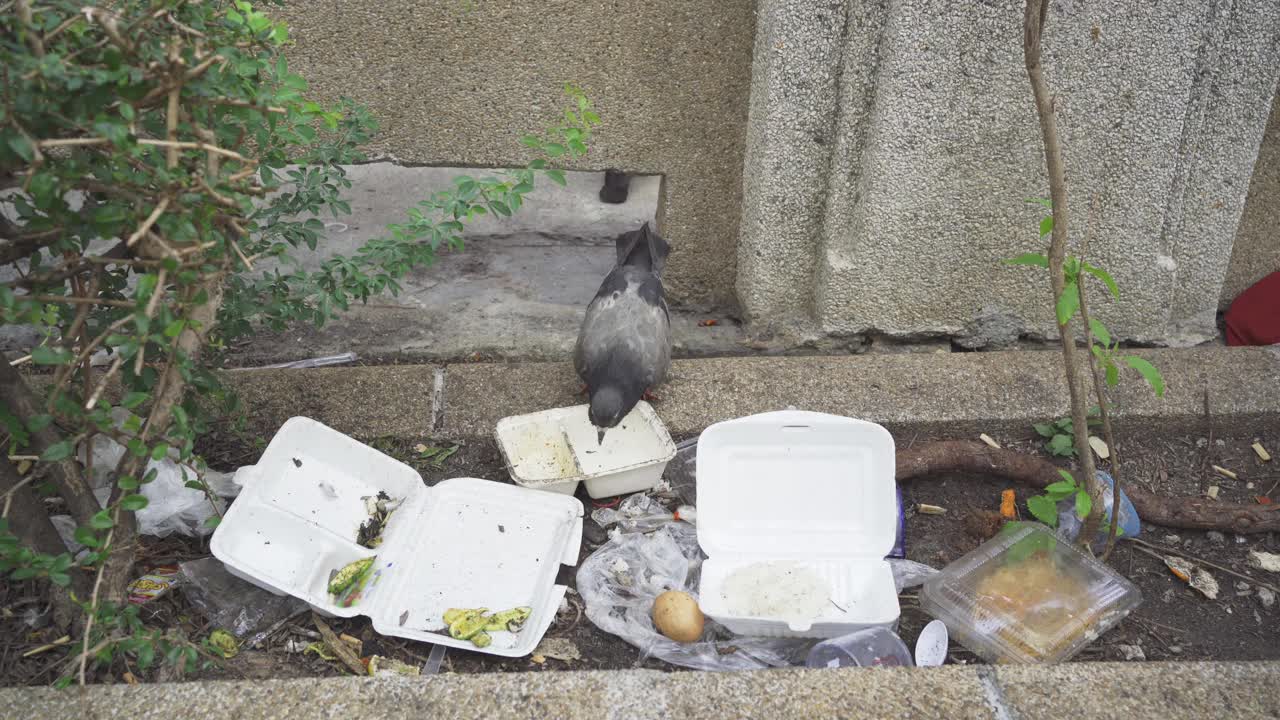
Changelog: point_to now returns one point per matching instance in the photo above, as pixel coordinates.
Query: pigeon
(624, 347)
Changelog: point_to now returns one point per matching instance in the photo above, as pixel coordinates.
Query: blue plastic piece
(899, 543)
(1130, 524)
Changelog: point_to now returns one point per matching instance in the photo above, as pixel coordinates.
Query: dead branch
(975, 458)
(1033, 27)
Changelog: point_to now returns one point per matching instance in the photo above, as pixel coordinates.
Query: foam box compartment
(805, 488)
(466, 542)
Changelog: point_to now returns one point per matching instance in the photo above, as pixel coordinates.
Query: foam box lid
(465, 542)
(796, 484)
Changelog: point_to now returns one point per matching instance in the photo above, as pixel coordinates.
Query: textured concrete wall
(456, 83)
(1161, 106)
(1257, 249)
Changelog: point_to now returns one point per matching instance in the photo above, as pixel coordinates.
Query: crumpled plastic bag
(172, 506)
(619, 582)
(233, 604)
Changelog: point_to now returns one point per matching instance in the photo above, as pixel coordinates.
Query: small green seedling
(1045, 507)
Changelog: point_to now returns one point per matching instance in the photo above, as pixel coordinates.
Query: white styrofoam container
(806, 488)
(463, 543)
(556, 449)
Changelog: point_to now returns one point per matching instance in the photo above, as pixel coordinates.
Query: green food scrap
(510, 620)
(475, 624)
(224, 643)
(347, 576)
(468, 625)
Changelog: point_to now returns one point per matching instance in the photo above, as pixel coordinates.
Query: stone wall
(922, 169)
(854, 167)
(457, 82)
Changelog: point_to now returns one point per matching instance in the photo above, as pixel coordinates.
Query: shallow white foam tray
(799, 487)
(556, 449)
(463, 543)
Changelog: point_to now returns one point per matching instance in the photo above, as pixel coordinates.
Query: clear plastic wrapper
(233, 604)
(620, 581)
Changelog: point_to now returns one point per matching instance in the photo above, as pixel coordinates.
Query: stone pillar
(1161, 108)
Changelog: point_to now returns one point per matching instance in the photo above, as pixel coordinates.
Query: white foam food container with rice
(796, 513)
(463, 543)
(556, 449)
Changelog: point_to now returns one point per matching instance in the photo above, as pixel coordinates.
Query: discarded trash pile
(711, 568)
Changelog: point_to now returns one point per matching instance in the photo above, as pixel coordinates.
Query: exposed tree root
(968, 456)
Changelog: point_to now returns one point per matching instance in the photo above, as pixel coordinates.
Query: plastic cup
(873, 647)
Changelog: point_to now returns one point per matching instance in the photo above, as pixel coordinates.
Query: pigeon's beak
(600, 436)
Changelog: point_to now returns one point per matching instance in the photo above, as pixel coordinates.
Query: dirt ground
(1170, 623)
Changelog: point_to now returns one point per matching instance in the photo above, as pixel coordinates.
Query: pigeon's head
(608, 407)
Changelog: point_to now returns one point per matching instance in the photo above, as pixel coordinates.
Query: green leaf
(58, 451)
(133, 400)
(137, 447)
(1105, 277)
(39, 422)
(61, 579)
(1068, 303)
(532, 141)
(134, 502)
(556, 176)
(128, 482)
(1035, 259)
(1060, 445)
(175, 327)
(1067, 476)
(1084, 504)
(212, 521)
(1100, 331)
(553, 149)
(159, 451)
(1113, 374)
(1043, 509)
(101, 520)
(1148, 372)
(1041, 201)
(45, 355)
(1068, 486)
(87, 537)
(1044, 429)
(1046, 225)
(22, 147)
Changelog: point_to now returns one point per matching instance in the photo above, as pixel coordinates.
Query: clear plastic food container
(1028, 596)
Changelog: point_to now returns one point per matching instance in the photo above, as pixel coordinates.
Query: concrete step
(958, 393)
(1073, 691)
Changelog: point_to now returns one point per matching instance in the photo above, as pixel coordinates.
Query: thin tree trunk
(169, 392)
(1034, 20)
(29, 521)
(65, 474)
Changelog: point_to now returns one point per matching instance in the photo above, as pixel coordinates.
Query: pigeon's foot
(650, 397)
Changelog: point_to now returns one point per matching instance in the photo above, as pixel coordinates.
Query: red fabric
(1254, 317)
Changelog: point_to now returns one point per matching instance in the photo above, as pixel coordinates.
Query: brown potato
(676, 615)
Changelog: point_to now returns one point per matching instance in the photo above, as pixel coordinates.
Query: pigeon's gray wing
(627, 328)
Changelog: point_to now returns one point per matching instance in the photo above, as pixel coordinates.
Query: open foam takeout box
(806, 489)
(463, 543)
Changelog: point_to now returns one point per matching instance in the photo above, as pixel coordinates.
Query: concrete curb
(1074, 691)
(957, 393)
